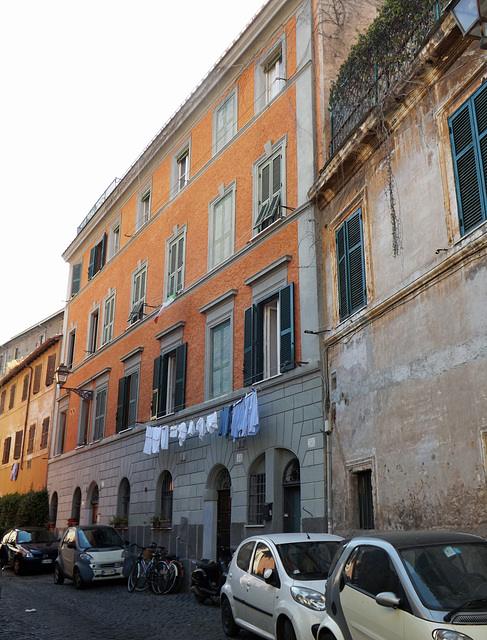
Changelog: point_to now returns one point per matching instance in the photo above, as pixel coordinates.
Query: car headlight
(309, 598)
(25, 552)
(448, 634)
(85, 556)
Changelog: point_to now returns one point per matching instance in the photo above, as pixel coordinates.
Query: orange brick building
(212, 220)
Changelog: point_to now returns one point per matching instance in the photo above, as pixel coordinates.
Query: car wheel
(326, 635)
(287, 631)
(58, 575)
(78, 581)
(230, 629)
(17, 566)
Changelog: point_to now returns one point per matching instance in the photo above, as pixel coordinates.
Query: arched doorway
(53, 509)
(291, 489)
(224, 509)
(75, 507)
(123, 506)
(94, 504)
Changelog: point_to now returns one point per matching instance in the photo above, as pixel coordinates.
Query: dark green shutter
(351, 268)
(180, 382)
(103, 256)
(286, 312)
(76, 279)
(248, 355)
(121, 417)
(468, 136)
(156, 382)
(91, 266)
(342, 272)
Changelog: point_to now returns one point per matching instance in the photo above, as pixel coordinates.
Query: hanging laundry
(173, 431)
(156, 439)
(225, 421)
(164, 438)
(252, 413)
(212, 422)
(15, 471)
(191, 428)
(182, 433)
(148, 440)
(201, 428)
(239, 417)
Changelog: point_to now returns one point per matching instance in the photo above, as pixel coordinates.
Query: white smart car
(275, 585)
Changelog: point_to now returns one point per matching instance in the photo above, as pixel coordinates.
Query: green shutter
(286, 313)
(76, 278)
(121, 417)
(180, 381)
(103, 256)
(342, 272)
(91, 266)
(351, 268)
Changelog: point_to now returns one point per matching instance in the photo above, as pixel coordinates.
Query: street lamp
(62, 373)
(471, 17)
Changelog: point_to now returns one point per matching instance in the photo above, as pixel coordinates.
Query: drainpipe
(327, 444)
(26, 416)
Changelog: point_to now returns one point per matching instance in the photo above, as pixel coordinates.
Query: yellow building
(27, 397)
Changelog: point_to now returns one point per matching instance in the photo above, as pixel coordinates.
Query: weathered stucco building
(403, 206)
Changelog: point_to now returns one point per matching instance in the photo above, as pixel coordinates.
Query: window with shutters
(269, 186)
(93, 325)
(114, 238)
(169, 382)
(221, 359)
(108, 318)
(468, 136)
(3, 398)
(12, 396)
(76, 277)
(269, 336)
(352, 293)
(180, 168)
(51, 368)
(61, 433)
(221, 240)
(225, 121)
(32, 435)
(70, 348)
(25, 387)
(270, 73)
(45, 433)
(143, 206)
(127, 404)
(84, 422)
(139, 284)
(6, 450)
(99, 414)
(37, 378)
(97, 257)
(175, 262)
(18, 444)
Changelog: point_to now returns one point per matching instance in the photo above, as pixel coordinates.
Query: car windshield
(37, 535)
(309, 560)
(99, 538)
(447, 576)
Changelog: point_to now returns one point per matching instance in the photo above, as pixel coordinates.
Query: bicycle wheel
(137, 579)
(158, 577)
(172, 577)
(179, 576)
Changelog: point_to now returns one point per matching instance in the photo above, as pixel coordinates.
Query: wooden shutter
(76, 278)
(468, 128)
(18, 444)
(91, 265)
(2, 401)
(248, 355)
(357, 296)
(45, 433)
(103, 251)
(121, 417)
(180, 381)
(51, 367)
(286, 312)
(25, 388)
(37, 378)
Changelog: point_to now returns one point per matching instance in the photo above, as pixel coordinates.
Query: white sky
(85, 87)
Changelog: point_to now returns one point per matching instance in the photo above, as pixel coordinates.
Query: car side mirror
(71, 545)
(271, 577)
(388, 599)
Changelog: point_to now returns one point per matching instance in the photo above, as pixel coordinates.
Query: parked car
(91, 552)
(405, 585)
(29, 549)
(275, 585)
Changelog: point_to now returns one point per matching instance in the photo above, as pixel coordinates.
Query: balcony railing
(381, 57)
(98, 204)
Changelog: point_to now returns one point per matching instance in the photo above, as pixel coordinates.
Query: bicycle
(150, 570)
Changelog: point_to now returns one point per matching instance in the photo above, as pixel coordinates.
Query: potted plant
(119, 521)
(159, 521)
(73, 522)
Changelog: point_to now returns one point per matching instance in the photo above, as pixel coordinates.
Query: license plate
(47, 561)
(108, 572)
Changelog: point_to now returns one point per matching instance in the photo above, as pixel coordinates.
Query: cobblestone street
(32, 607)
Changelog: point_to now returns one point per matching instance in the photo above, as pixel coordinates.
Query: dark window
(6, 450)
(365, 499)
(76, 278)
(468, 136)
(269, 336)
(25, 388)
(166, 496)
(256, 498)
(370, 569)
(351, 269)
(70, 352)
(76, 507)
(12, 396)
(169, 382)
(128, 391)
(18, 444)
(51, 368)
(93, 332)
(3, 397)
(97, 257)
(32, 434)
(84, 422)
(45, 433)
(61, 436)
(244, 555)
(37, 378)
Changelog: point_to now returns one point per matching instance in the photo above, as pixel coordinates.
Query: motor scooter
(209, 576)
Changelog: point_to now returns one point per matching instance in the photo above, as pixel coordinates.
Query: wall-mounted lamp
(62, 373)
(471, 18)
